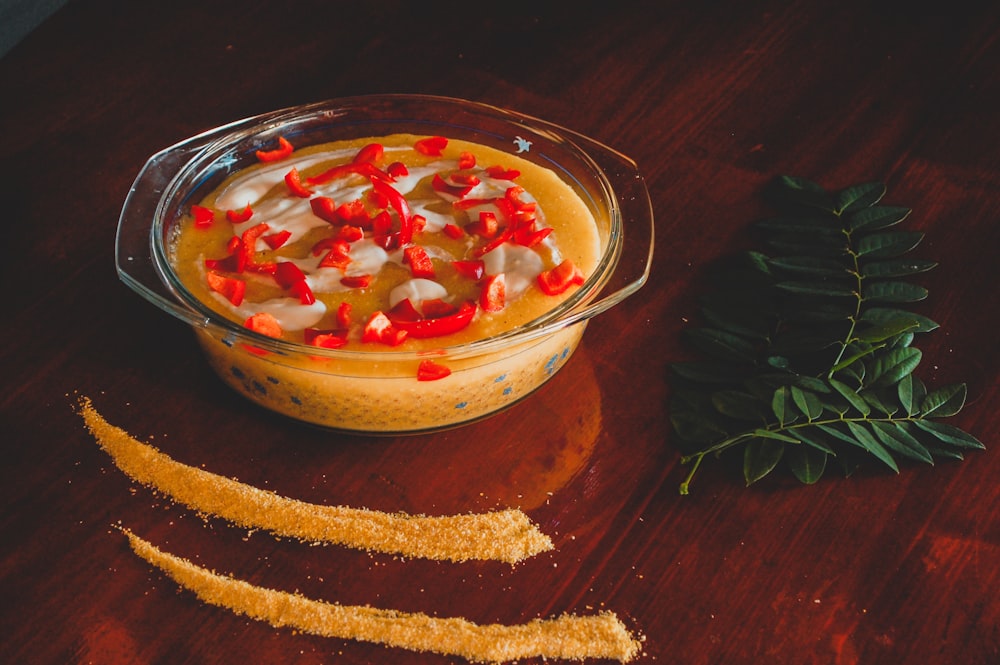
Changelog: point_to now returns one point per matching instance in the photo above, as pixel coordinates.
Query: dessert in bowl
(387, 264)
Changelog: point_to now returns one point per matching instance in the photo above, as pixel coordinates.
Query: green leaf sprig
(808, 348)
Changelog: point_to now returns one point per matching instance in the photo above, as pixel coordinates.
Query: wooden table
(712, 100)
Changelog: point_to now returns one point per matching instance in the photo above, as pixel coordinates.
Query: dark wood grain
(712, 100)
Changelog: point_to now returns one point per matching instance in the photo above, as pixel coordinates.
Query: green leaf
(702, 372)
(904, 389)
(809, 404)
(901, 442)
(806, 463)
(859, 196)
(876, 217)
(736, 404)
(818, 288)
(777, 436)
(722, 345)
(812, 437)
(889, 368)
(880, 332)
(810, 265)
(806, 225)
(944, 402)
(895, 268)
(883, 314)
(950, 434)
(802, 192)
(778, 403)
(893, 292)
(888, 245)
(696, 428)
(760, 457)
(851, 396)
(869, 443)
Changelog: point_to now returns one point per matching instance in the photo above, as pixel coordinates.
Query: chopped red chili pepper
(265, 324)
(453, 188)
(303, 292)
(380, 329)
(418, 223)
(233, 289)
(398, 203)
(559, 279)
(203, 217)
(338, 256)
(356, 281)
(487, 226)
(425, 327)
(428, 370)
(327, 339)
(432, 145)
(472, 269)
(493, 296)
(276, 240)
(287, 274)
(366, 169)
(324, 208)
(466, 160)
(344, 315)
(295, 186)
(529, 237)
(501, 173)
(248, 248)
(404, 311)
(420, 263)
(371, 153)
(283, 150)
(453, 231)
(348, 233)
(239, 216)
(354, 213)
(435, 308)
(397, 170)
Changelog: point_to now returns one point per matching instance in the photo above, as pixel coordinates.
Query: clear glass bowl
(376, 391)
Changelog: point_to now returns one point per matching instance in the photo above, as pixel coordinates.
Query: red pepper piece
(453, 231)
(444, 325)
(265, 324)
(474, 269)
(302, 291)
(493, 297)
(418, 223)
(487, 226)
(344, 315)
(502, 237)
(203, 217)
(432, 145)
(348, 233)
(356, 281)
(381, 330)
(248, 241)
(276, 240)
(324, 208)
(428, 370)
(233, 289)
(559, 279)
(466, 160)
(354, 213)
(501, 173)
(287, 274)
(435, 308)
(239, 216)
(397, 170)
(327, 339)
(338, 256)
(295, 186)
(370, 154)
(283, 151)
(398, 203)
(450, 188)
(529, 237)
(420, 263)
(378, 199)
(366, 169)
(404, 311)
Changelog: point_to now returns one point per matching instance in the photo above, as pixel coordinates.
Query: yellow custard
(381, 246)
(448, 186)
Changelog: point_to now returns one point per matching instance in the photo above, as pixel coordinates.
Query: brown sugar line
(502, 535)
(567, 636)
